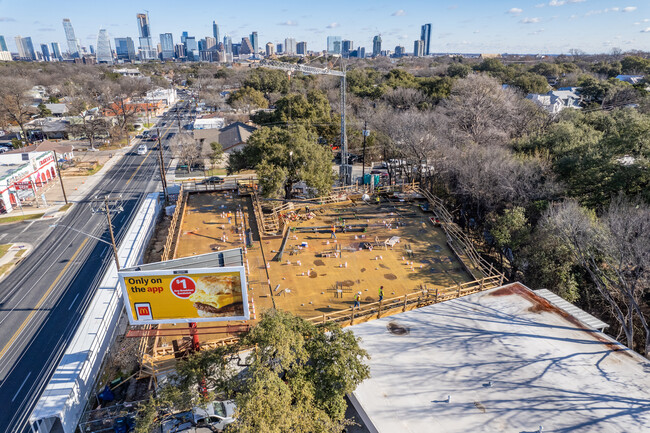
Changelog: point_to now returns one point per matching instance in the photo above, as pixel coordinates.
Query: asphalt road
(45, 296)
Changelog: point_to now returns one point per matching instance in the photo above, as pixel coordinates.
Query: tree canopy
(283, 157)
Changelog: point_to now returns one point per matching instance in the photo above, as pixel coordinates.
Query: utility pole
(363, 166)
(58, 172)
(110, 229)
(163, 175)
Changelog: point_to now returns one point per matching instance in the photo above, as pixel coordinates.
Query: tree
(510, 231)
(295, 378)
(217, 153)
(458, 70)
(15, 103)
(298, 376)
(615, 253)
(268, 80)
(284, 157)
(118, 97)
(187, 150)
(247, 98)
(43, 111)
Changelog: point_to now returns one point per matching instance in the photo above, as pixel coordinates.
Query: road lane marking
(42, 300)
(147, 156)
(73, 301)
(21, 386)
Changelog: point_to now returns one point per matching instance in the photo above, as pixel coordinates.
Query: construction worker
(333, 232)
(357, 300)
(229, 217)
(381, 293)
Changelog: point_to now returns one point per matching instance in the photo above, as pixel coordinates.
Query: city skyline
(555, 26)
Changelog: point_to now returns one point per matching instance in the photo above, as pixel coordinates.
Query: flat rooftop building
(503, 360)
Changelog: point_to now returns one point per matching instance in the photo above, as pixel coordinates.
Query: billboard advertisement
(183, 296)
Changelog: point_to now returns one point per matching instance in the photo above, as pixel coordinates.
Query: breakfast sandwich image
(218, 296)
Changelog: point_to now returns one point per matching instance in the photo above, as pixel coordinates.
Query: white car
(142, 149)
(217, 414)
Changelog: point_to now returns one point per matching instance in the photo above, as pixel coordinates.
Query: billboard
(184, 296)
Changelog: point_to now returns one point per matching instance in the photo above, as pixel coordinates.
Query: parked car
(217, 414)
(212, 180)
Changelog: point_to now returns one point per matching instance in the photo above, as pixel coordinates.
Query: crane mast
(345, 172)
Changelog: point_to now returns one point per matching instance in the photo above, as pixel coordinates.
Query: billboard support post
(196, 344)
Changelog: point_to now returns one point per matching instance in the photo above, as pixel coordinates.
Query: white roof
(582, 316)
(509, 361)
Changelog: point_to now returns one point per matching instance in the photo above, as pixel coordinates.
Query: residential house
(554, 101)
(231, 138)
(632, 79)
(57, 110)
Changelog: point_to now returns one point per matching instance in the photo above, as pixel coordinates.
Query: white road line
(21, 386)
(73, 301)
(3, 235)
(28, 226)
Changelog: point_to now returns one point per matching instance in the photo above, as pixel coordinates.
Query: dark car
(212, 180)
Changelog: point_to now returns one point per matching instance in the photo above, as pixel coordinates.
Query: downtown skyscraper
(74, 47)
(104, 51)
(215, 31)
(147, 49)
(425, 36)
(167, 46)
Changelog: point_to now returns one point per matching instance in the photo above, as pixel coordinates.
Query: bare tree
(615, 252)
(118, 97)
(187, 150)
(15, 103)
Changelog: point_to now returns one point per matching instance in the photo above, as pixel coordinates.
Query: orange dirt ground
(305, 282)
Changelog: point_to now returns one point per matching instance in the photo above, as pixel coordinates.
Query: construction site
(392, 250)
(314, 257)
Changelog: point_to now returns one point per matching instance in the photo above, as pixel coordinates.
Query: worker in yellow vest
(381, 293)
(357, 300)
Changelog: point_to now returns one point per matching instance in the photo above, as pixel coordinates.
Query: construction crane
(345, 172)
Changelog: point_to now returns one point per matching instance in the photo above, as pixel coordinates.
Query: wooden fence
(407, 302)
(175, 225)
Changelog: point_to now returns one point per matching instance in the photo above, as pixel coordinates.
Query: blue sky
(470, 26)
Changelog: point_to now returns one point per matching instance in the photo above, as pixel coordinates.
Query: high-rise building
(269, 49)
(301, 48)
(289, 46)
(191, 48)
(166, 46)
(56, 51)
(235, 49)
(227, 44)
(215, 31)
(210, 43)
(425, 36)
(334, 45)
(46, 52)
(92, 49)
(255, 43)
(21, 47)
(376, 46)
(179, 51)
(346, 47)
(104, 51)
(400, 51)
(3, 44)
(25, 48)
(418, 48)
(246, 46)
(125, 49)
(279, 48)
(74, 47)
(147, 49)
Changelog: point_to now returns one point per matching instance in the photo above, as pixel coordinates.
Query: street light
(117, 262)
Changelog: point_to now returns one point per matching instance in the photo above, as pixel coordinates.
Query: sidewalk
(76, 188)
(15, 253)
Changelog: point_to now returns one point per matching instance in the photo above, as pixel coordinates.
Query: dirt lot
(318, 273)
